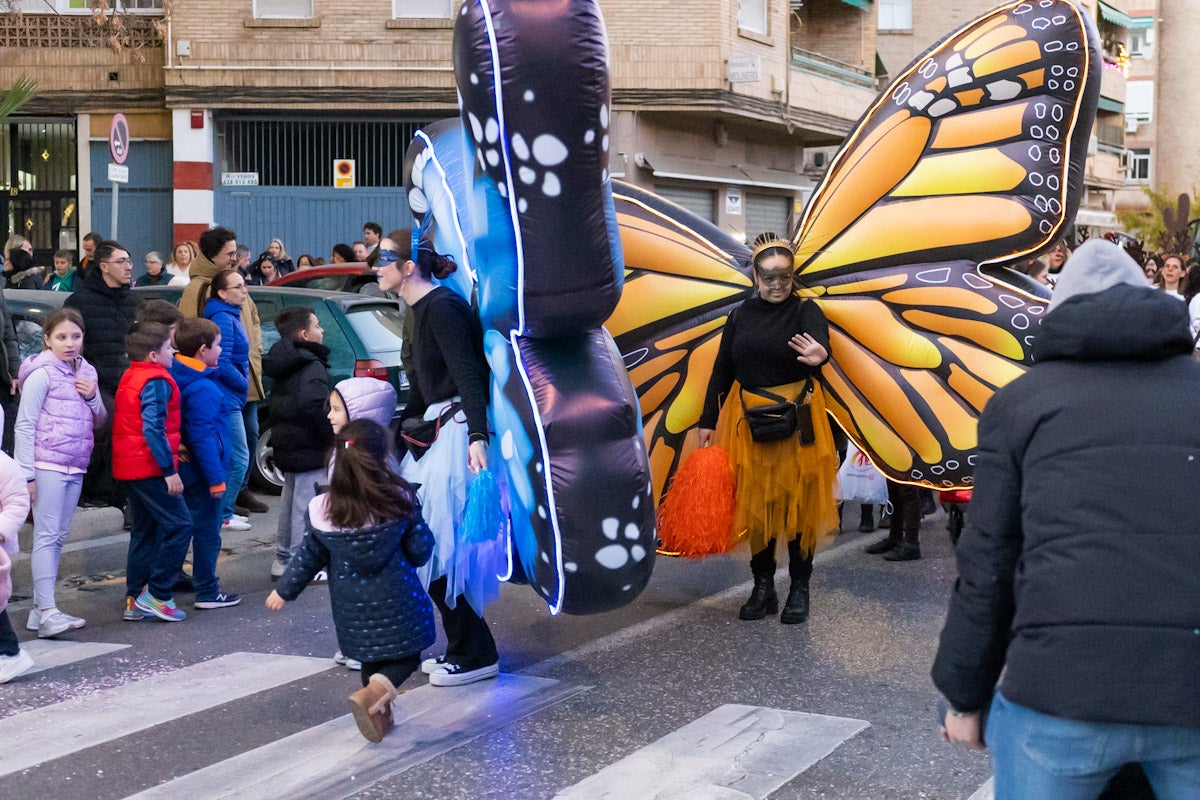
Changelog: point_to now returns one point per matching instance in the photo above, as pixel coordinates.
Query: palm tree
(16, 96)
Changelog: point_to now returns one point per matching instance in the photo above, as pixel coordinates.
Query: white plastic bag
(857, 479)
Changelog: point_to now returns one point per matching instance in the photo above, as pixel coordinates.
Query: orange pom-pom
(696, 517)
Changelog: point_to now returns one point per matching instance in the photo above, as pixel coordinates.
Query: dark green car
(363, 335)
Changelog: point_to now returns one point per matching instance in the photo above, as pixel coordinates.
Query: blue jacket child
(205, 433)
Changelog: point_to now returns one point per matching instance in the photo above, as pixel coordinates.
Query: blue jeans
(161, 522)
(1036, 755)
(250, 418)
(237, 460)
(206, 539)
(9, 644)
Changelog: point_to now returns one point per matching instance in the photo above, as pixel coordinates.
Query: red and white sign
(118, 138)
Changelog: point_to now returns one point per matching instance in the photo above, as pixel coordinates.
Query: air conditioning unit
(1093, 145)
(795, 5)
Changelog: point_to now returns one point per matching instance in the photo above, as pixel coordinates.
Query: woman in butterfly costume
(773, 348)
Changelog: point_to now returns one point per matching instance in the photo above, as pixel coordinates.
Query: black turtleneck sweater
(754, 348)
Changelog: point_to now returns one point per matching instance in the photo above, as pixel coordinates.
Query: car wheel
(266, 476)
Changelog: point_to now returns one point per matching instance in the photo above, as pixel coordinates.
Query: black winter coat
(380, 610)
(107, 314)
(1079, 570)
(300, 431)
(10, 358)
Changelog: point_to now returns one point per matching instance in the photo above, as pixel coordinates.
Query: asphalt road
(672, 696)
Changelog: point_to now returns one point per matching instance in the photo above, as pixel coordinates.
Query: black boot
(866, 522)
(763, 600)
(795, 610)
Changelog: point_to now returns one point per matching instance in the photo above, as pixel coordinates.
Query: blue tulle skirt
(471, 570)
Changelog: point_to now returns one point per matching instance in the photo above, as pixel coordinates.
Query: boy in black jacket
(300, 433)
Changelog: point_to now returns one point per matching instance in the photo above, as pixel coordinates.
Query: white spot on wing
(527, 175)
(548, 150)
(589, 137)
(491, 130)
(520, 147)
(632, 531)
(613, 556)
(528, 95)
(942, 107)
(610, 526)
(1004, 90)
(551, 185)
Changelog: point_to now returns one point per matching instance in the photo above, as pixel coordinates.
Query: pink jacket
(14, 501)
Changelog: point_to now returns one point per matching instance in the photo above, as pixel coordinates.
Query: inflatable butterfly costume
(603, 304)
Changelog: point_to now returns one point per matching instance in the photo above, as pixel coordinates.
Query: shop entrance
(38, 184)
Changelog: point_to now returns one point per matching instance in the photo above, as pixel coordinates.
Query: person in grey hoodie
(1076, 614)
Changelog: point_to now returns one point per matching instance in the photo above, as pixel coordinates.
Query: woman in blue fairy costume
(449, 383)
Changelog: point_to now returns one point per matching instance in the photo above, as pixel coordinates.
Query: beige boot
(372, 707)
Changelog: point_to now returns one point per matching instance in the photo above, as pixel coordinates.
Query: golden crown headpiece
(765, 241)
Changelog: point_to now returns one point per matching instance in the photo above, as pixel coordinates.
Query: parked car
(352, 277)
(362, 333)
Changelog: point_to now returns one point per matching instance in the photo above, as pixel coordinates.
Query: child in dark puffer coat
(368, 533)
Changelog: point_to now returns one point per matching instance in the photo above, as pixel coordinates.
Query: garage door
(701, 202)
(766, 213)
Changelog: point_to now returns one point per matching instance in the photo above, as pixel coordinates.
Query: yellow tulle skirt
(784, 489)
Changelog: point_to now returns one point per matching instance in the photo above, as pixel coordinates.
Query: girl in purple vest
(59, 408)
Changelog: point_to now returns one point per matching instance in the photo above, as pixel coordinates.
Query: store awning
(1117, 17)
(865, 5)
(1094, 218)
(1108, 104)
(691, 169)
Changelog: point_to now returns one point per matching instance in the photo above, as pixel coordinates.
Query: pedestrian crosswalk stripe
(985, 792)
(333, 760)
(735, 750)
(50, 653)
(44, 734)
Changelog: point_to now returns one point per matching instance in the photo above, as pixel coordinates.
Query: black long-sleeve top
(754, 348)
(448, 361)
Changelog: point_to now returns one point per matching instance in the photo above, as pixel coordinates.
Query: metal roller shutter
(701, 202)
(766, 213)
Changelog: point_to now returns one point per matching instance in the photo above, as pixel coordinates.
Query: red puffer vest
(132, 459)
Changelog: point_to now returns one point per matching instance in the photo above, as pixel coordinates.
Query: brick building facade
(238, 108)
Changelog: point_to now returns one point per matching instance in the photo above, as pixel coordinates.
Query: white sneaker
(12, 666)
(322, 577)
(345, 661)
(241, 517)
(35, 619)
(457, 675)
(432, 665)
(235, 523)
(55, 622)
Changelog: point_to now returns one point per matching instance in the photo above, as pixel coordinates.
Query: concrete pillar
(193, 174)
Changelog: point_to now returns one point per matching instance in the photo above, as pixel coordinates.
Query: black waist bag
(417, 434)
(777, 421)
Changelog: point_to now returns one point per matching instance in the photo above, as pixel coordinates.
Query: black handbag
(418, 434)
(777, 421)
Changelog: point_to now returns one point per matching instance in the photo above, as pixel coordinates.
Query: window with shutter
(283, 9)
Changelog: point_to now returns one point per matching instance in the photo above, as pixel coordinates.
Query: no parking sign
(343, 173)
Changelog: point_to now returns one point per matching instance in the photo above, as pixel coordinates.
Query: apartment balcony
(79, 30)
(80, 64)
(827, 96)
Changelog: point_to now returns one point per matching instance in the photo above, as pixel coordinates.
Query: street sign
(118, 173)
(343, 173)
(733, 200)
(239, 179)
(118, 138)
(745, 69)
